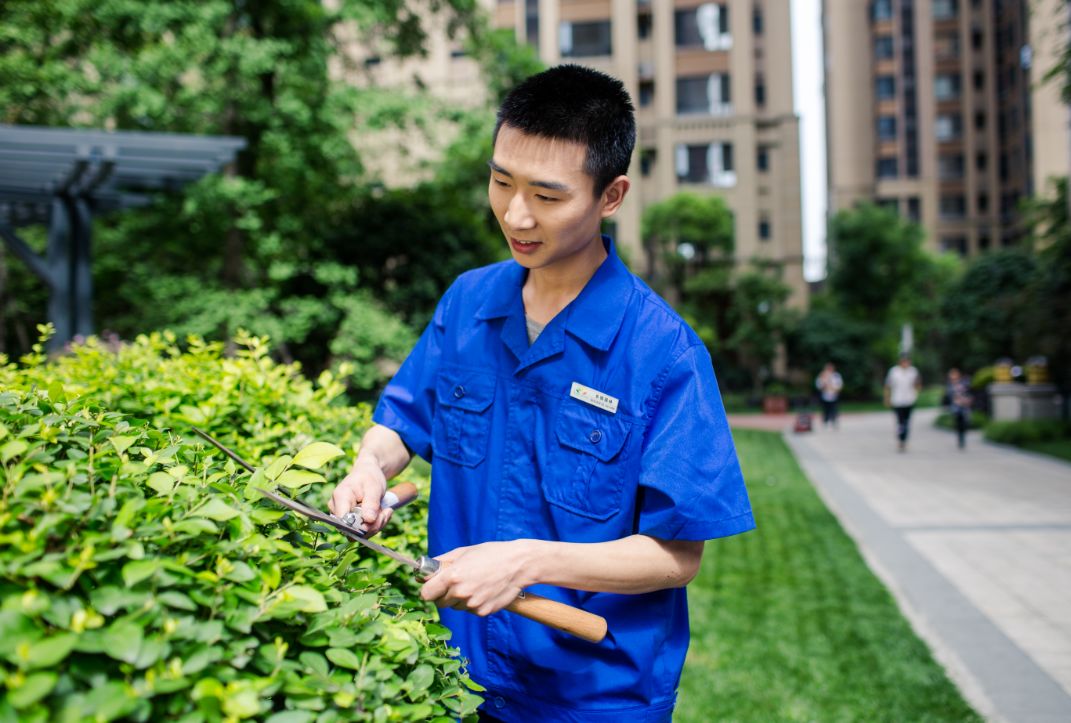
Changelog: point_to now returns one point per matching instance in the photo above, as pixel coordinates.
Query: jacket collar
(594, 316)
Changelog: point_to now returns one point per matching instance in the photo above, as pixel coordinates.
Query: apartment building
(935, 108)
(712, 82)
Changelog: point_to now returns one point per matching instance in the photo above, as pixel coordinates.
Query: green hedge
(1028, 431)
(142, 578)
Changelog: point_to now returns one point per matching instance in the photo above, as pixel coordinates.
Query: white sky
(807, 62)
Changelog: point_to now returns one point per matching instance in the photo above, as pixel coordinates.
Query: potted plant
(775, 398)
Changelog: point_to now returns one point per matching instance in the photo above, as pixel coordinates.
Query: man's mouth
(523, 246)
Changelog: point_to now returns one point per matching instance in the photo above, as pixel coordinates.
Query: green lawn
(788, 623)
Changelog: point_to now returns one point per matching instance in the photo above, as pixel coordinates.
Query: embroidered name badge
(593, 397)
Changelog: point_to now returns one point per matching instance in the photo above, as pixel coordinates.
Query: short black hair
(578, 104)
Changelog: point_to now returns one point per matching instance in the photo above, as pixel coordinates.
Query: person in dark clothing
(958, 398)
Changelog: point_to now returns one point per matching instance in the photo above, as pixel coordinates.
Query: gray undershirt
(534, 329)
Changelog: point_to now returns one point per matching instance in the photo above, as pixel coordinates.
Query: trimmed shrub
(143, 578)
(1027, 431)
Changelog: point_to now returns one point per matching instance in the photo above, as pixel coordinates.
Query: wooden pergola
(62, 177)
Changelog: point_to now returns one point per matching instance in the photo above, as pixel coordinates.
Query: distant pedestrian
(902, 385)
(958, 398)
(829, 384)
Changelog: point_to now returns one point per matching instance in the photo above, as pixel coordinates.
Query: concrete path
(975, 546)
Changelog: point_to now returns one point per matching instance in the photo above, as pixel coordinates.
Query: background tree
(737, 310)
(879, 279)
(758, 320)
(688, 240)
(292, 242)
(1047, 306)
(983, 309)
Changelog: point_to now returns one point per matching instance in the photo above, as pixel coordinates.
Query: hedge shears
(552, 613)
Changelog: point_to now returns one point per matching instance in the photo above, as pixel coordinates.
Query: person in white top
(829, 384)
(902, 385)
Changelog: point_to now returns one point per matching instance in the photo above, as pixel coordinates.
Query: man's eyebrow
(549, 185)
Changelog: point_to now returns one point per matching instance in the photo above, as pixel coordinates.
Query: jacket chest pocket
(586, 474)
(462, 421)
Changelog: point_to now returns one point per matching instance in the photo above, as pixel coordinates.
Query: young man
(902, 385)
(578, 443)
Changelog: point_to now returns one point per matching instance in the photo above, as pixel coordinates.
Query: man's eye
(503, 184)
(541, 197)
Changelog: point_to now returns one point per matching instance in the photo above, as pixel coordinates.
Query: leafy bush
(983, 378)
(1027, 431)
(143, 578)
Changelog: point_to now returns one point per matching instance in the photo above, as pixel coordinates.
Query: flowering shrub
(142, 577)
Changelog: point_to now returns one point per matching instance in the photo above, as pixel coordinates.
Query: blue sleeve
(691, 486)
(407, 405)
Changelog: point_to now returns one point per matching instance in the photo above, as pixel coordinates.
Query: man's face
(545, 203)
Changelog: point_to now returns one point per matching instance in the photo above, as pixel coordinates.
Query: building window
(647, 160)
(914, 209)
(977, 38)
(981, 161)
(706, 26)
(979, 80)
(888, 204)
(531, 22)
(710, 164)
(887, 168)
(955, 244)
(643, 25)
(983, 242)
(946, 86)
(584, 40)
(952, 207)
(764, 229)
(883, 47)
(704, 94)
(760, 91)
(887, 127)
(950, 168)
(756, 20)
(762, 159)
(983, 203)
(882, 10)
(979, 119)
(949, 126)
(646, 93)
(946, 46)
(885, 87)
(944, 9)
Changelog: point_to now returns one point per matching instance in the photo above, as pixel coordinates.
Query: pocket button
(459, 391)
(596, 436)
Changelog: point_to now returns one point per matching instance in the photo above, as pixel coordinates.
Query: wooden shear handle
(557, 615)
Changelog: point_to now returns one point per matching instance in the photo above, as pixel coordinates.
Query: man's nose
(517, 214)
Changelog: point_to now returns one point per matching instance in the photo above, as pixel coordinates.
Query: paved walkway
(974, 545)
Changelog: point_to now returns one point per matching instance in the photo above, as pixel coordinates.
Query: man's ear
(614, 195)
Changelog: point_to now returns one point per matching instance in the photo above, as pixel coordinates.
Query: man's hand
(364, 486)
(383, 455)
(481, 579)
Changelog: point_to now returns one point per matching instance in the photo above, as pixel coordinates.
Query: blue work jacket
(518, 450)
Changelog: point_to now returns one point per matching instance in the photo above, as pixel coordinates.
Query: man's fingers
(343, 500)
